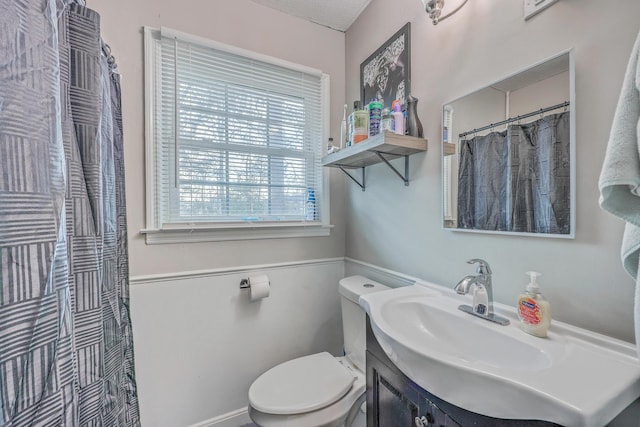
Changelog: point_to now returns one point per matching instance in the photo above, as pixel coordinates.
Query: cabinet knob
(422, 421)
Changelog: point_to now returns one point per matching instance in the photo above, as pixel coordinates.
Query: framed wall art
(386, 74)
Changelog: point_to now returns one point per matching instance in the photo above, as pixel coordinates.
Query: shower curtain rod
(516, 118)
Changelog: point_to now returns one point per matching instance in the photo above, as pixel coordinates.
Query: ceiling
(336, 14)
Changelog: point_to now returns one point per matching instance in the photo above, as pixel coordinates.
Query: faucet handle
(483, 266)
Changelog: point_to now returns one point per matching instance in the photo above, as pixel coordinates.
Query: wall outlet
(533, 7)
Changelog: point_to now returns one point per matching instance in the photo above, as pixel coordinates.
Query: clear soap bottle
(534, 310)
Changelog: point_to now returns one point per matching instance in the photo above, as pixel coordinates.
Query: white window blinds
(237, 139)
(447, 128)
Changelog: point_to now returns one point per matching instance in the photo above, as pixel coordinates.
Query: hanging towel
(620, 176)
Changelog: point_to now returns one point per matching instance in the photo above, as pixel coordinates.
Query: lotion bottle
(398, 117)
(534, 310)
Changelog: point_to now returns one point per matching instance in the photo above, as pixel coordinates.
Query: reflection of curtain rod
(515, 119)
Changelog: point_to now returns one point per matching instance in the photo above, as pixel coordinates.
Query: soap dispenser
(534, 310)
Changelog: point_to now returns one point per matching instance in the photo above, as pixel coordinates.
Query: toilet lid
(301, 385)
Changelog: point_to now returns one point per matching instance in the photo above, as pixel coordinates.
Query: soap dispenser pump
(534, 310)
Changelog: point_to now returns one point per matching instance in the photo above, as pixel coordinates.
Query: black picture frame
(386, 73)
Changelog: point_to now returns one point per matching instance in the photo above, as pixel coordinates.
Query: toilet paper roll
(259, 287)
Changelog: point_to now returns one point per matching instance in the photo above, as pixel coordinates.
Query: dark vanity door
(392, 401)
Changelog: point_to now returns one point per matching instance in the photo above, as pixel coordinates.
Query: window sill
(196, 234)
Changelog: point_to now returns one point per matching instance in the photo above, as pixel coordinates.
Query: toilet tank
(354, 317)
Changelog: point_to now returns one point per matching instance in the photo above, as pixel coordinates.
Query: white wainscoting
(200, 343)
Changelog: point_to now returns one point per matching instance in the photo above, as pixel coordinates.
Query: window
(447, 193)
(234, 143)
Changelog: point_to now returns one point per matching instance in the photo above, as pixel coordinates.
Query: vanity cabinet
(394, 400)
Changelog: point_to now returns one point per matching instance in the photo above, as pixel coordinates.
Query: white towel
(620, 176)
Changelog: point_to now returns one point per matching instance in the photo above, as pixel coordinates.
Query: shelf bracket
(354, 179)
(404, 177)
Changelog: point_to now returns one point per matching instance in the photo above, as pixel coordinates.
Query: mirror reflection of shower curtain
(482, 182)
(540, 177)
(517, 180)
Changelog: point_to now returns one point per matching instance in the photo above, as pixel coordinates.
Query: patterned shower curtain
(66, 347)
(517, 180)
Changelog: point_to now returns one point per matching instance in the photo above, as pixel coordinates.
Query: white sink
(573, 378)
(452, 332)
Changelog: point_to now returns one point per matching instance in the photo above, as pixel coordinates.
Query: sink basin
(454, 334)
(574, 377)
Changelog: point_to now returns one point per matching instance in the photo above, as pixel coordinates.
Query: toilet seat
(301, 385)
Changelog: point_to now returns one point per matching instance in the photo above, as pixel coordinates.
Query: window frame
(156, 233)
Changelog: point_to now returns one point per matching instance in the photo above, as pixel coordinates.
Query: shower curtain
(517, 180)
(482, 182)
(66, 347)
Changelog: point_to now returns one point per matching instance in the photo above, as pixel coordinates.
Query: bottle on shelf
(414, 126)
(358, 124)
(375, 117)
(398, 117)
(343, 129)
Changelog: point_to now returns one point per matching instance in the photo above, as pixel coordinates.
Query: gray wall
(400, 228)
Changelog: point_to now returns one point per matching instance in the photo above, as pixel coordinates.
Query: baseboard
(236, 418)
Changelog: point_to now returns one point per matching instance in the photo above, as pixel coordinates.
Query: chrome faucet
(480, 283)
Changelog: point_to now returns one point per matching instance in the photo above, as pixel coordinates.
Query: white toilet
(320, 390)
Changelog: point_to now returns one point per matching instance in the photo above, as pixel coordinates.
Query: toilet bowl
(320, 390)
(311, 394)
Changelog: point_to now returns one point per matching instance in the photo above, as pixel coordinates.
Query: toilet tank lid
(353, 287)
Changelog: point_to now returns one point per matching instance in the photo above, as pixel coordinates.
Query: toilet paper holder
(258, 287)
(246, 283)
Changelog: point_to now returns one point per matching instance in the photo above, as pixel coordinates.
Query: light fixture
(434, 9)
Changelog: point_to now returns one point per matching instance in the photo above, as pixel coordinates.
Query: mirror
(509, 154)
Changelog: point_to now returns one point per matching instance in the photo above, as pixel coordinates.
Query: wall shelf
(448, 149)
(377, 149)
